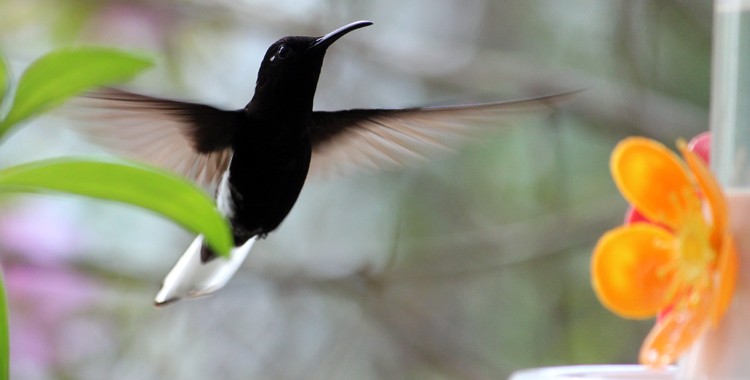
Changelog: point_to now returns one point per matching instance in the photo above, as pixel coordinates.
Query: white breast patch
(224, 201)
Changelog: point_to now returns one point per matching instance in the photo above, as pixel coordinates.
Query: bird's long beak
(328, 39)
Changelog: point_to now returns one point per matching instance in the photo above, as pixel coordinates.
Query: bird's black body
(271, 146)
(272, 151)
(257, 158)
(267, 172)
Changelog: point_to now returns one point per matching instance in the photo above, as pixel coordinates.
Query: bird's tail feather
(190, 277)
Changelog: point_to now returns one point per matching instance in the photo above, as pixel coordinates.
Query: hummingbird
(255, 160)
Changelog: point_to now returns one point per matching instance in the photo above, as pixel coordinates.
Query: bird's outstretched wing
(378, 138)
(189, 138)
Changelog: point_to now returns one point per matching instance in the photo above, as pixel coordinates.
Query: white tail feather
(192, 278)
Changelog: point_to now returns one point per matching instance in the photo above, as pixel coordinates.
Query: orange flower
(682, 264)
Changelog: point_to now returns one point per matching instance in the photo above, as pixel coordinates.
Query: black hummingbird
(256, 159)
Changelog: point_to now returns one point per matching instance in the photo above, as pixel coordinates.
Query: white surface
(602, 372)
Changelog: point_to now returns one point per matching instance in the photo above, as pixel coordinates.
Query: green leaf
(4, 336)
(4, 333)
(58, 75)
(135, 184)
(4, 82)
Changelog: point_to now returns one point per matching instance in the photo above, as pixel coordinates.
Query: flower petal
(632, 215)
(726, 270)
(701, 145)
(652, 178)
(711, 191)
(674, 334)
(627, 269)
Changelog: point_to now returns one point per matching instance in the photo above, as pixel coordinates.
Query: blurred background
(470, 266)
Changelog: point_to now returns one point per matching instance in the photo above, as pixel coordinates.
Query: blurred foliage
(47, 83)
(471, 266)
(57, 76)
(4, 80)
(4, 333)
(159, 191)
(51, 80)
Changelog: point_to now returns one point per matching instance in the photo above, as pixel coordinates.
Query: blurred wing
(189, 138)
(377, 138)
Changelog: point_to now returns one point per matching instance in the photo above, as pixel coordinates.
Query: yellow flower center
(694, 247)
(694, 258)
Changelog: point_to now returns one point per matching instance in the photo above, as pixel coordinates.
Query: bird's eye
(283, 52)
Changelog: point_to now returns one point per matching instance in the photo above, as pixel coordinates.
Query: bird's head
(291, 67)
